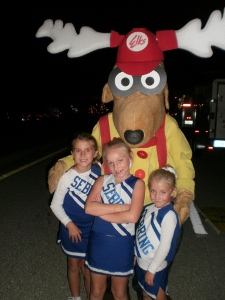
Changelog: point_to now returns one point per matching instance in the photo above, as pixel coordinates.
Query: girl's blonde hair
(165, 174)
(84, 136)
(117, 143)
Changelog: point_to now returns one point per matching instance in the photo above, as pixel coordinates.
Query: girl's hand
(149, 278)
(74, 232)
(98, 198)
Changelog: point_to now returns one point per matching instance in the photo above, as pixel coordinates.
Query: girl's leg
(119, 287)
(146, 296)
(87, 279)
(98, 286)
(161, 295)
(73, 272)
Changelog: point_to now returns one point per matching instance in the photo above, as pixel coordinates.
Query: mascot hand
(55, 174)
(182, 204)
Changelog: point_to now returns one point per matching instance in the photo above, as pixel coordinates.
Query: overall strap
(105, 135)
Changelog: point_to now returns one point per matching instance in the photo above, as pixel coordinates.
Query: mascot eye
(150, 80)
(123, 81)
(153, 82)
(121, 84)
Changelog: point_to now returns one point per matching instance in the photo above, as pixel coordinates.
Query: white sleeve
(58, 200)
(168, 226)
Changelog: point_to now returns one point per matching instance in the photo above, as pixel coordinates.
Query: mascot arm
(182, 204)
(180, 156)
(55, 173)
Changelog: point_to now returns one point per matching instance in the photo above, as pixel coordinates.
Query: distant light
(219, 143)
(186, 105)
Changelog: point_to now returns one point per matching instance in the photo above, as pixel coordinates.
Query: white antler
(199, 41)
(66, 38)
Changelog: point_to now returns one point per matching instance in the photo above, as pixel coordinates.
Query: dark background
(35, 79)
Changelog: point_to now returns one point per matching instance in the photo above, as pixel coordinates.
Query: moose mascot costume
(138, 86)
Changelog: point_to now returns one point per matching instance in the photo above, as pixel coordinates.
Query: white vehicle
(213, 98)
(217, 115)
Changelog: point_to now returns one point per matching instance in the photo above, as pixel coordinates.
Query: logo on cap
(137, 41)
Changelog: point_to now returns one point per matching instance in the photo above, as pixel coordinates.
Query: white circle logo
(137, 41)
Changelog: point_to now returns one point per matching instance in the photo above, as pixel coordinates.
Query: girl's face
(161, 193)
(83, 153)
(118, 162)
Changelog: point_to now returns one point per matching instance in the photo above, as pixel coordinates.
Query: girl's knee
(119, 294)
(98, 293)
(73, 265)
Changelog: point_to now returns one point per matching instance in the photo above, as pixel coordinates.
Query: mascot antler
(199, 41)
(66, 38)
(191, 37)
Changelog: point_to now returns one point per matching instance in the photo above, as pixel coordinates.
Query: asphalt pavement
(34, 267)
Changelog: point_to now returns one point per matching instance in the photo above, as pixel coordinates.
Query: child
(68, 206)
(111, 243)
(156, 235)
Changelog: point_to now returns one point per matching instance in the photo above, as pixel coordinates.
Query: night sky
(34, 78)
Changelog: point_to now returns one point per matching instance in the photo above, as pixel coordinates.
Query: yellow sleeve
(97, 136)
(179, 155)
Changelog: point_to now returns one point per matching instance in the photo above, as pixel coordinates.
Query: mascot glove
(55, 174)
(182, 204)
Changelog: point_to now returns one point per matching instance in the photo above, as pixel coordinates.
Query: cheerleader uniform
(111, 246)
(68, 205)
(155, 245)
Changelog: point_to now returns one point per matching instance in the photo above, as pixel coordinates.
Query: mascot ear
(166, 97)
(107, 95)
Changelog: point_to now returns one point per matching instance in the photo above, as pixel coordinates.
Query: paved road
(33, 267)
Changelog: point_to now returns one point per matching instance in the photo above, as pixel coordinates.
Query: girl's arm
(95, 208)
(168, 226)
(132, 215)
(57, 202)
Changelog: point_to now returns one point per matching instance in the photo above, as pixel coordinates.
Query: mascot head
(137, 85)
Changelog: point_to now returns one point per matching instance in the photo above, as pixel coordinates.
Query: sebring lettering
(81, 185)
(143, 240)
(111, 195)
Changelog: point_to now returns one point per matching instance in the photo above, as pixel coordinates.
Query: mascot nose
(134, 137)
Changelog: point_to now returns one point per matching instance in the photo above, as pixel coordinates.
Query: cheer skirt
(160, 280)
(110, 255)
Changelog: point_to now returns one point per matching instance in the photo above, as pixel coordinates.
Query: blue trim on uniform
(154, 227)
(95, 170)
(126, 189)
(123, 229)
(77, 197)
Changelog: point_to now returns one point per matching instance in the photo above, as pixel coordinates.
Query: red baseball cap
(139, 52)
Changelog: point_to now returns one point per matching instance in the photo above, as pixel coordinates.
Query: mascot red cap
(140, 51)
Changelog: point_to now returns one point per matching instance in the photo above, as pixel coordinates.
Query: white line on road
(30, 164)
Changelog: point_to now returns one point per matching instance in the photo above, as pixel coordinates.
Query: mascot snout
(138, 116)
(134, 137)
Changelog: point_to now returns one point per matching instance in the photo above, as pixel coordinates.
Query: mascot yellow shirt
(145, 161)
